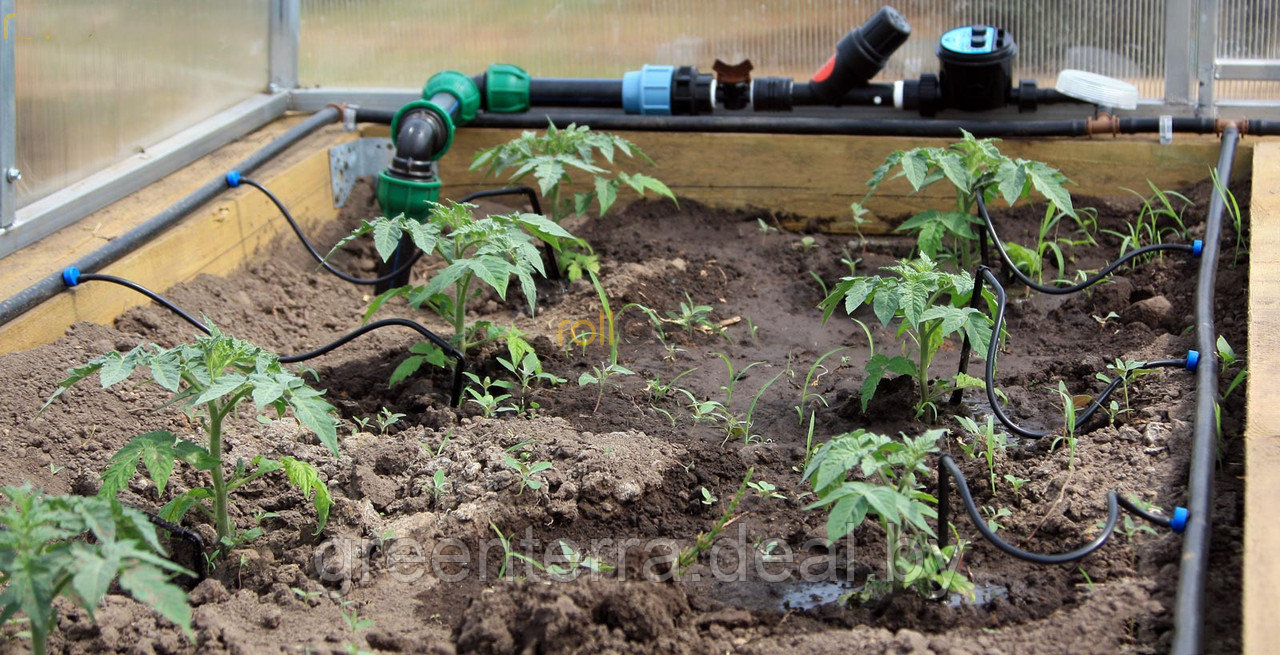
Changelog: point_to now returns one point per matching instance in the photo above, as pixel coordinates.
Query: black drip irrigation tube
(985, 274)
(1189, 607)
(49, 286)
(71, 277)
(235, 179)
(1193, 521)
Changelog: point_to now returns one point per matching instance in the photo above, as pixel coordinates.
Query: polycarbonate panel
(402, 42)
(99, 81)
(1248, 29)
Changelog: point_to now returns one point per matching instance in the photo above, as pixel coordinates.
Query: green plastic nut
(412, 198)
(429, 106)
(506, 89)
(459, 86)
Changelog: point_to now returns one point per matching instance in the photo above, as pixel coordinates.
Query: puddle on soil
(982, 594)
(801, 595)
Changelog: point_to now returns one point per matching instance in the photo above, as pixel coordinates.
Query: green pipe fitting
(412, 198)
(506, 89)
(429, 106)
(459, 86)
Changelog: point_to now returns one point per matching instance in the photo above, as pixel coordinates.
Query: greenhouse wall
(99, 81)
(401, 42)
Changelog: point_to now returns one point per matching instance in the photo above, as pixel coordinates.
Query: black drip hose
(190, 536)
(1057, 290)
(460, 362)
(521, 190)
(288, 216)
(159, 299)
(1189, 605)
(947, 470)
(985, 273)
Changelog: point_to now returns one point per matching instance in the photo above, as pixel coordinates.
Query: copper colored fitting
(727, 73)
(1220, 125)
(1103, 123)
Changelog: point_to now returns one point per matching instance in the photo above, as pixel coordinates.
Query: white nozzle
(1097, 89)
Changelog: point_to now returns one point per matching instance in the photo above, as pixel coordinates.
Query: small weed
(602, 375)
(526, 470)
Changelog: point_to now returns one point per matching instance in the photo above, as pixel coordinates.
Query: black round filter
(975, 70)
(860, 55)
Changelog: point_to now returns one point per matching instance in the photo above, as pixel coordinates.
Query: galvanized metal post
(1177, 56)
(9, 173)
(1206, 56)
(282, 37)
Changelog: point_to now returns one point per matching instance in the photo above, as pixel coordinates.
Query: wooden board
(216, 239)
(819, 176)
(1262, 429)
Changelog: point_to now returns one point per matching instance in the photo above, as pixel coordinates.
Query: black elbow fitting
(860, 55)
(420, 139)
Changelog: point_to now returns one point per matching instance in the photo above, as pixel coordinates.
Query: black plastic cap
(884, 33)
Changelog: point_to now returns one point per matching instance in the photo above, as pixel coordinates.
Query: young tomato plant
(489, 251)
(550, 157)
(928, 306)
(42, 557)
(891, 487)
(972, 166)
(211, 378)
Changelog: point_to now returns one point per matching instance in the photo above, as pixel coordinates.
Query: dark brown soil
(628, 475)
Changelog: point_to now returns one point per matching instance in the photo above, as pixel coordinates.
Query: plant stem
(462, 287)
(222, 522)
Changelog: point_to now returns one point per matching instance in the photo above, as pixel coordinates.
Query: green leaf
(316, 413)
(386, 237)
(1011, 180)
(847, 514)
(154, 449)
(606, 192)
(306, 478)
(885, 303)
(115, 368)
(915, 164)
(1049, 182)
(222, 385)
(174, 510)
(166, 370)
(406, 368)
(149, 585)
(266, 389)
(95, 569)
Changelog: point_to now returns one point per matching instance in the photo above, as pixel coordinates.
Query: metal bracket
(353, 160)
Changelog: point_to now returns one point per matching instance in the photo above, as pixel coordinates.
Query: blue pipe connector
(648, 90)
(1178, 522)
(1197, 247)
(233, 179)
(1193, 359)
(71, 276)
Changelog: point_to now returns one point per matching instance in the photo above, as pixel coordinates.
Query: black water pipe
(774, 124)
(571, 92)
(1012, 268)
(312, 250)
(985, 274)
(947, 470)
(1188, 629)
(50, 285)
(71, 277)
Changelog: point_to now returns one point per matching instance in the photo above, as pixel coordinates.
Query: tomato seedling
(551, 156)
(928, 305)
(211, 378)
(42, 557)
(891, 488)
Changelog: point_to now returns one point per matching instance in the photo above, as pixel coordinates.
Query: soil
(629, 472)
